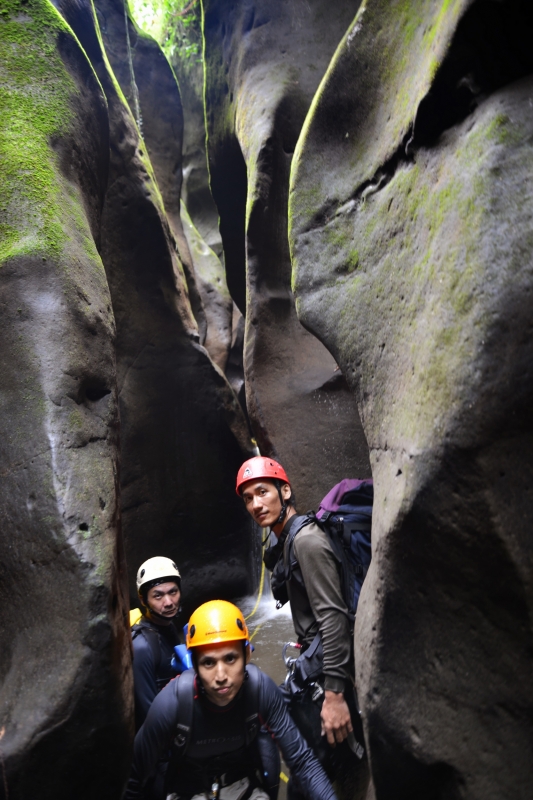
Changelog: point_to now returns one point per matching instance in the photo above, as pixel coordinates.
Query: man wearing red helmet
(307, 572)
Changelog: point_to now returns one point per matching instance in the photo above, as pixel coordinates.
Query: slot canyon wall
(411, 215)
(65, 676)
(365, 301)
(263, 63)
(121, 435)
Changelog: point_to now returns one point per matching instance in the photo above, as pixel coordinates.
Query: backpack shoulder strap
(300, 521)
(251, 703)
(185, 697)
(152, 637)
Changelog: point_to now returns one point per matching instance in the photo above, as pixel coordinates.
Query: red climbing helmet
(260, 467)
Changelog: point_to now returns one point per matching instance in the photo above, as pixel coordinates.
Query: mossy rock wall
(263, 63)
(65, 665)
(183, 434)
(411, 228)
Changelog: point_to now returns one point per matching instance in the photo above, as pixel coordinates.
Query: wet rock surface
(411, 213)
(97, 327)
(196, 192)
(183, 434)
(264, 61)
(216, 299)
(65, 681)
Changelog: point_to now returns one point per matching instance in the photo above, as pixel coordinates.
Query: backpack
(345, 515)
(269, 756)
(152, 637)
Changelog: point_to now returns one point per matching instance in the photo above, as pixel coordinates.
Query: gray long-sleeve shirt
(320, 605)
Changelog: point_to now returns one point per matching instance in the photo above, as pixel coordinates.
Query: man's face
(164, 599)
(261, 499)
(221, 670)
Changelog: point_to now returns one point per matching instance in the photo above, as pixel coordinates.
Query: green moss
(76, 419)
(35, 91)
(336, 236)
(352, 261)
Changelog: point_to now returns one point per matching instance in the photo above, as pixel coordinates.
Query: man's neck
(277, 529)
(156, 620)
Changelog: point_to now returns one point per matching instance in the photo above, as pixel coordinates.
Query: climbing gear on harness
(304, 671)
(214, 622)
(260, 467)
(155, 571)
(303, 687)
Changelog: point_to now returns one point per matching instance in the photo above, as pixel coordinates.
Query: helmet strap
(283, 505)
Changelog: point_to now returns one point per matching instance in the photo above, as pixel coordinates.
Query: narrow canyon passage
(293, 229)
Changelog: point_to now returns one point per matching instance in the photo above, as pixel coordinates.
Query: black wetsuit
(148, 677)
(217, 744)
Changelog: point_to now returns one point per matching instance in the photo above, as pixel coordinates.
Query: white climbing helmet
(157, 570)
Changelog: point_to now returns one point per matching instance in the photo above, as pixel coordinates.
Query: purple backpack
(345, 514)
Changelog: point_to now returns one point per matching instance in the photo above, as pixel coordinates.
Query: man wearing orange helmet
(212, 719)
(306, 573)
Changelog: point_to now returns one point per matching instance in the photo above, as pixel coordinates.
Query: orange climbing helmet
(215, 622)
(260, 467)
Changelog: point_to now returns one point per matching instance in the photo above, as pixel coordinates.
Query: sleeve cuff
(334, 684)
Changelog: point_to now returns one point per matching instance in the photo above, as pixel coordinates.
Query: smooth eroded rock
(196, 192)
(264, 61)
(65, 673)
(411, 233)
(183, 434)
(216, 299)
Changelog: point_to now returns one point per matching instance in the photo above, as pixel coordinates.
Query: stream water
(269, 629)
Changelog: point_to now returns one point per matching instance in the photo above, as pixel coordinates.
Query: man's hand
(336, 721)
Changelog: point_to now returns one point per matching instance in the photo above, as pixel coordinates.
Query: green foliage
(175, 24)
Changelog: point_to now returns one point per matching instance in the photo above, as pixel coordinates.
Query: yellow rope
(260, 592)
(255, 630)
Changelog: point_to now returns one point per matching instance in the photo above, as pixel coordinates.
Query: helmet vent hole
(192, 631)
(142, 573)
(239, 625)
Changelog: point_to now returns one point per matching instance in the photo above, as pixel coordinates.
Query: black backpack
(345, 515)
(152, 637)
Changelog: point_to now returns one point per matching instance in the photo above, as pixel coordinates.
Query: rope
(259, 593)
(134, 90)
(256, 630)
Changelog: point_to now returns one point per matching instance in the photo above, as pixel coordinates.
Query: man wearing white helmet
(155, 635)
